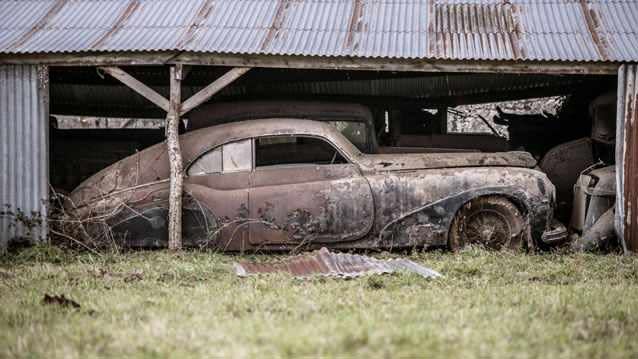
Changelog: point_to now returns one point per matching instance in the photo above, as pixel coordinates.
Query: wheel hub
(488, 228)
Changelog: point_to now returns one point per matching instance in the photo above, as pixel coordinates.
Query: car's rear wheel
(492, 222)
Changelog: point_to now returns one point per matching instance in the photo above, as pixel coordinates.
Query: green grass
(190, 304)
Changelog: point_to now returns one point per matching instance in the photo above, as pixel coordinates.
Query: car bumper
(557, 233)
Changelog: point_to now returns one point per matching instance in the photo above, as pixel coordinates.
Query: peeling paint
(591, 19)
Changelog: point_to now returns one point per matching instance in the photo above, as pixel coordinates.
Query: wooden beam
(314, 62)
(209, 91)
(137, 86)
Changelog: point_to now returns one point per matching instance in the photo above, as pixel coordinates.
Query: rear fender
(144, 224)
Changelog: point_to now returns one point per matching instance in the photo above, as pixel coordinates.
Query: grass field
(190, 304)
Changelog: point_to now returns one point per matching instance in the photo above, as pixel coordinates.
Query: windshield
(353, 131)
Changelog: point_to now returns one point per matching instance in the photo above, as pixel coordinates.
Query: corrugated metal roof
(568, 30)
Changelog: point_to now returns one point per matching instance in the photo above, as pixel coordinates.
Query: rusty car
(282, 184)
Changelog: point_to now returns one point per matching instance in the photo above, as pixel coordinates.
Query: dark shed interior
(395, 100)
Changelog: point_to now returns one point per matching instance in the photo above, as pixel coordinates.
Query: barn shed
(163, 58)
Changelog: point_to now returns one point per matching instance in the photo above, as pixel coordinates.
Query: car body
(280, 184)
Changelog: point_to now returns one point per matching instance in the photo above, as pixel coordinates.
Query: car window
(231, 157)
(237, 156)
(210, 162)
(291, 150)
(353, 131)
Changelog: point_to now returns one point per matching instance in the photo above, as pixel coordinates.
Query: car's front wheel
(492, 222)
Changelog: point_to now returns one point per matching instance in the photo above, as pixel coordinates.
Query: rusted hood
(412, 161)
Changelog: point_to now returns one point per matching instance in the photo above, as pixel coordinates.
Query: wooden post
(174, 110)
(626, 158)
(175, 160)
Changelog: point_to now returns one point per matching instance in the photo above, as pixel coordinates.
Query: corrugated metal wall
(626, 161)
(24, 146)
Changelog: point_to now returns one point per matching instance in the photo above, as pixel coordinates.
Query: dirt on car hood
(413, 161)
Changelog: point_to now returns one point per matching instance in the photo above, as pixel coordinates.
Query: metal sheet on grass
(330, 264)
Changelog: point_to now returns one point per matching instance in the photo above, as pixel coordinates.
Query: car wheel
(492, 222)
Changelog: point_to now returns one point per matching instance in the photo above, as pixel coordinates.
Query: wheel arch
(521, 204)
(443, 211)
(515, 199)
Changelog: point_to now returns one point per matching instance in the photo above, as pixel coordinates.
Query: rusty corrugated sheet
(568, 30)
(24, 121)
(626, 166)
(330, 264)
(480, 30)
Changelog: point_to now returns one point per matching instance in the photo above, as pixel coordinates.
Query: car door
(217, 182)
(304, 190)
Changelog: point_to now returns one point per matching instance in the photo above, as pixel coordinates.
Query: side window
(237, 156)
(210, 162)
(292, 150)
(231, 157)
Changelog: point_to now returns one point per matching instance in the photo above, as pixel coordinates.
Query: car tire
(492, 222)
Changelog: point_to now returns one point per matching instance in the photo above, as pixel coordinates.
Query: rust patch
(119, 23)
(449, 21)
(329, 264)
(276, 24)
(515, 30)
(432, 37)
(198, 20)
(39, 25)
(355, 24)
(591, 17)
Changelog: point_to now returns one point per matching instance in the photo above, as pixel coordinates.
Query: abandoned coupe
(280, 184)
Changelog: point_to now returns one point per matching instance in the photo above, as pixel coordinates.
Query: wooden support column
(175, 160)
(627, 158)
(174, 110)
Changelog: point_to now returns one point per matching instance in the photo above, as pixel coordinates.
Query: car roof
(199, 141)
(224, 112)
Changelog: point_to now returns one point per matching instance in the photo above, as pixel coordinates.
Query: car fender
(429, 224)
